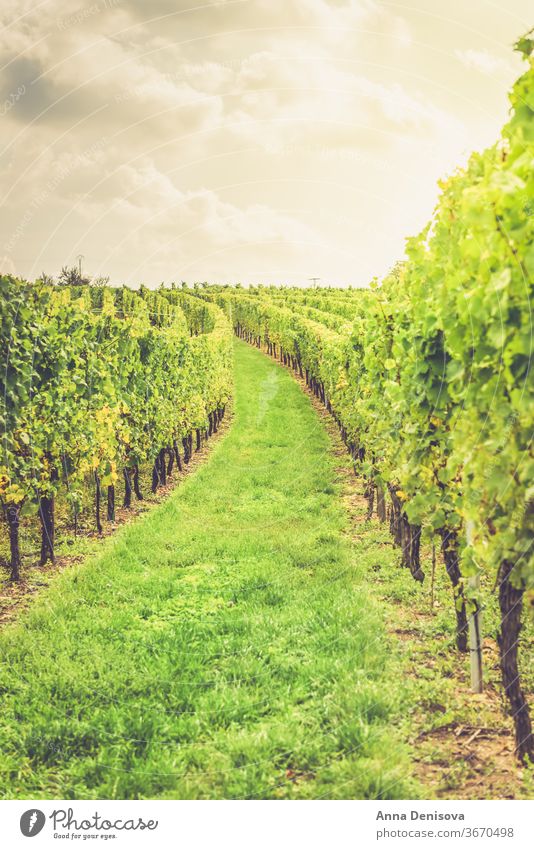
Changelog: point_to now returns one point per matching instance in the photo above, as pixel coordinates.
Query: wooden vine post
(475, 626)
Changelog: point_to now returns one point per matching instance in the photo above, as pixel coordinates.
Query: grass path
(225, 646)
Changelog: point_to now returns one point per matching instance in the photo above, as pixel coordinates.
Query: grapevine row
(95, 383)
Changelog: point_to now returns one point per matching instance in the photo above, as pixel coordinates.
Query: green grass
(225, 646)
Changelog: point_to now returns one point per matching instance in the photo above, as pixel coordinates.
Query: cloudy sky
(240, 140)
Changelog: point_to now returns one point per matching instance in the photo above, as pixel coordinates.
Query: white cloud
(482, 61)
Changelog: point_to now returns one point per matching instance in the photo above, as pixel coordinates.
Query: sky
(251, 141)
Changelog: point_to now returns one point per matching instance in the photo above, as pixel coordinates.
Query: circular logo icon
(32, 822)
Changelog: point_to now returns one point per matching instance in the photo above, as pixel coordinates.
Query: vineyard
(427, 377)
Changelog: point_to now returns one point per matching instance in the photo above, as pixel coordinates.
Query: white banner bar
(269, 824)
